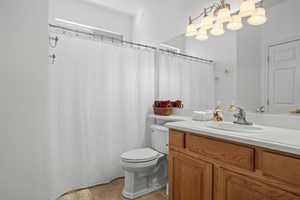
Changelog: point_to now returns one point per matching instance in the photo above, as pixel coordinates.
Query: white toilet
(146, 168)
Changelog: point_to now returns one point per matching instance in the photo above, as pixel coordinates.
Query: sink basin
(229, 126)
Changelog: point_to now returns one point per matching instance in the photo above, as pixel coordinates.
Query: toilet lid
(139, 155)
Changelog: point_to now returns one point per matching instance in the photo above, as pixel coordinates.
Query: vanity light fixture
(258, 17)
(235, 23)
(206, 22)
(202, 35)
(191, 29)
(223, 13)
(247, 8)
(218, 29)
(222, 16)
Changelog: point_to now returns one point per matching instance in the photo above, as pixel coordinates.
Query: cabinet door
(233, 186)
(189, 179)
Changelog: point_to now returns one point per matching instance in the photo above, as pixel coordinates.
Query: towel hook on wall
(52, 57)
(53, 44)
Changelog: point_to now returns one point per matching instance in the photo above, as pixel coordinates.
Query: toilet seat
(139, 155)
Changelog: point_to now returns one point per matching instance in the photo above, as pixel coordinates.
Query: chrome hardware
(241, 117)
(260, 109)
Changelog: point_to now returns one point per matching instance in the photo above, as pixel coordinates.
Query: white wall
(283, 21)
(178, 42)
(223, 51)
(163, 20)
(23, 108)
(249, 67)
(92, 15)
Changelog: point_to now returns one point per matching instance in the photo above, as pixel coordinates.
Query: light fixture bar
(222, 15)
(208, 11)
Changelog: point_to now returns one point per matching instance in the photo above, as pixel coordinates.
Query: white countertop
(281, 139)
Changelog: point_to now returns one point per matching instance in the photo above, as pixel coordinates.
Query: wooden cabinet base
(206, 168)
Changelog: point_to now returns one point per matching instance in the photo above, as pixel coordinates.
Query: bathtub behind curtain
(187, 80)
(100, 95)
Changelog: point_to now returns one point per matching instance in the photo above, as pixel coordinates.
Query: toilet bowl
(146, 168)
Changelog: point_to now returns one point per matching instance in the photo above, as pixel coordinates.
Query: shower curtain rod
(127, 42)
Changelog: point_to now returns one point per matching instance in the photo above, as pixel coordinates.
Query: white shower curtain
(100, 95)
(188, 80)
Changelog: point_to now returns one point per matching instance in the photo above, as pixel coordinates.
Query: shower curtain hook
(53, 57)
(55, 39)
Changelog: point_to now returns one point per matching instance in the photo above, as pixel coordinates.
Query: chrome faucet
(241, 117)
(260, 109)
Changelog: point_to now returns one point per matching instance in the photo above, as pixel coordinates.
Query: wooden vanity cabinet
(207, 168)
(192, 178)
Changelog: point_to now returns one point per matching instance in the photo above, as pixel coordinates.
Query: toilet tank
(159, 138)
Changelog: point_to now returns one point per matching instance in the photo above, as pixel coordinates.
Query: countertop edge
(250, 141)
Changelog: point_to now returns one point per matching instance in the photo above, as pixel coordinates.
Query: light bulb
(247, 8)
(191, 30)
(258, 18)
(206, 23)
(223, 15)
(202, 35)
(235, 23)
(218, 29)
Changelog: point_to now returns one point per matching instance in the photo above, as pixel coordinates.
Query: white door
(284, 77)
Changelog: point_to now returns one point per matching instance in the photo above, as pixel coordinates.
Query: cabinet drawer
(176, 138)
(280, 167)
(240, 156)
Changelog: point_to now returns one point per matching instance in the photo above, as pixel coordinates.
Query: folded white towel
(202, 115)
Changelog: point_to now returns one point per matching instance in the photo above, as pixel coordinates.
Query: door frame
(265, 79)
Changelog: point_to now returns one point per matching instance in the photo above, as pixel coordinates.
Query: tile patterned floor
(111, 191)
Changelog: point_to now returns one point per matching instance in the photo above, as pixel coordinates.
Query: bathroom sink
(229, 126)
